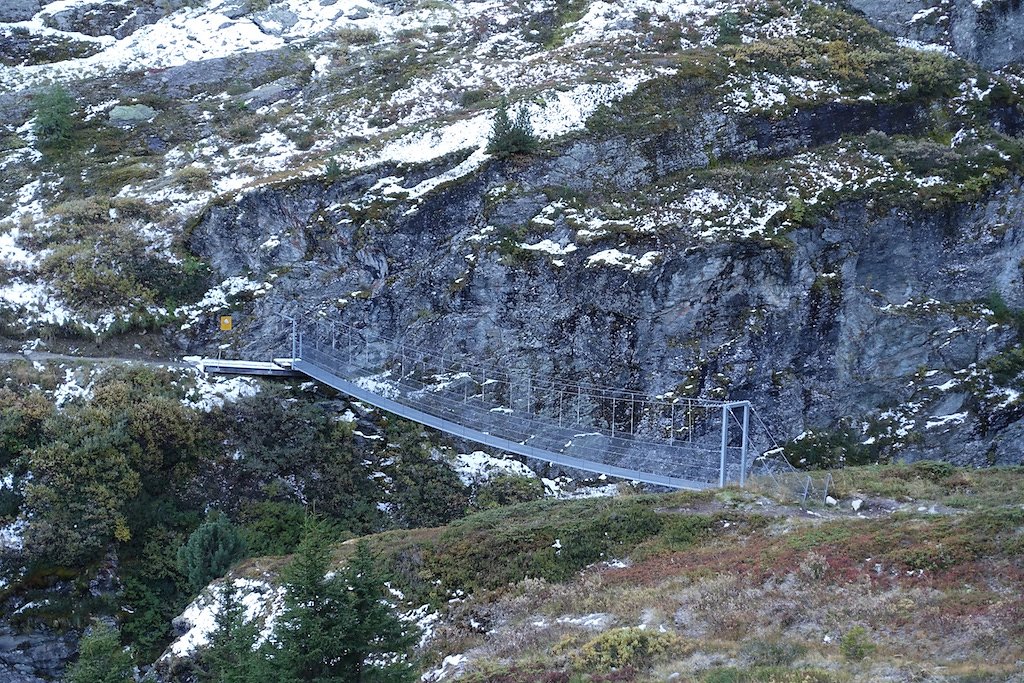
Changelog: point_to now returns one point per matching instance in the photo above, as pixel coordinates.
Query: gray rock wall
(748, 319)
(989, 32)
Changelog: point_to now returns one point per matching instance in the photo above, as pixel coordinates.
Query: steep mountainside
(811, 204)
(772, 201)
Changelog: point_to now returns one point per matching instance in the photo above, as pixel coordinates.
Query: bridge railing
(707, 441)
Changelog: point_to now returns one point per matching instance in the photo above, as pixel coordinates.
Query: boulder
(127, 115)
(18, 10)
(275, 21)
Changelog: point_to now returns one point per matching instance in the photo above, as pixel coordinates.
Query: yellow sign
(225, 323)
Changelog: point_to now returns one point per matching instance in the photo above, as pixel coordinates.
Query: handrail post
(746, 443)
(725, 445)
(295, 339)
(613, 417)
(672, 429)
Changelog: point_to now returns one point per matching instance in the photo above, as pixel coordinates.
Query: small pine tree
(376, 633)
(332, 625)
(210, 551)
(232, 656)
(315, 615)
(101, 659)
(509, 136)
(333, 171)
(53, 123)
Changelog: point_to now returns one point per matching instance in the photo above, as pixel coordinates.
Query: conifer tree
(53, 123)
(232, 656)
(210, 551)
(101, 659)
(509, 136)
(376, 633)
(337, 627)
(312, 629)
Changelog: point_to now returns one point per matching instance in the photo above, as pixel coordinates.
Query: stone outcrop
(818, 328)
(989, 32)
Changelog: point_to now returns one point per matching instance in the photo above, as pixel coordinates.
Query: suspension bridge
(676, 442)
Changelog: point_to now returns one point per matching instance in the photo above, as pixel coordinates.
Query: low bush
(625, 647)
(856, 644)
(771, 652)
(508, 489)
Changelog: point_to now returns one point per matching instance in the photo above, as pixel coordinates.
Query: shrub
(933, 470)
(470, 97)
(81, 485)
(53, 124)
(728, 29)
(333, 171)
(508, 489)
(272, 528)
(101, 658)
(683, 531)
(510, 136)
(194, 178)
(855, 644)
(772, 652)
(210, 551)
(624, 647)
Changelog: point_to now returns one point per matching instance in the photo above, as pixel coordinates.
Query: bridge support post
(613, 417)
(744, 450)
(295, 340)
(672, 430)
(725, 445)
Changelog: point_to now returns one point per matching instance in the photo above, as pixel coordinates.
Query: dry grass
(773, 595)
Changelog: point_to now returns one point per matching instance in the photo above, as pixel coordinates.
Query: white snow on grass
(37, 301)
(936, 421)
(713, 213)
(598, 621)
(766, 92)
(71, 388)
(261, 602)
(452, 666)
(213, 392)
(217, 297)
(564, 488)
(380, 385)
(478, 467)
(549, 247)
(12, 535)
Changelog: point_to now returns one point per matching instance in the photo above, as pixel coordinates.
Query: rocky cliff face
(990, 32)
(871, 317)
(766, 200)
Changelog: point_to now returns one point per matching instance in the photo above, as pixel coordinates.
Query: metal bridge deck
(682, 443)
(486, 439)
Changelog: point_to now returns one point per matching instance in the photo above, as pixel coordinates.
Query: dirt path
(47, 357)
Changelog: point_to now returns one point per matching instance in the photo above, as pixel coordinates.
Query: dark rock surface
(816, 329)
(110, 18)
(990, 32)
(33, 658)
(18, 10)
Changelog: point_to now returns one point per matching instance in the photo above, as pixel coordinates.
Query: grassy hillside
(923, 583)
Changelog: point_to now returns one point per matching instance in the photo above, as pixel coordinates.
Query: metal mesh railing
(678, 442)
